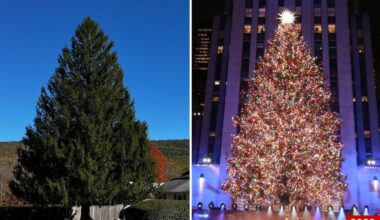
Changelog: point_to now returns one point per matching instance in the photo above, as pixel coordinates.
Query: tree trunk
(85, 212)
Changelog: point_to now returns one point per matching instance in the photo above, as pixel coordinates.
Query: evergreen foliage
(86, 147)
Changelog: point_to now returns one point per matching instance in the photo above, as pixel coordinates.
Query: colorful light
(288, 144)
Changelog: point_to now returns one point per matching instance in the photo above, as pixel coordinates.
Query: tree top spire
(287, 17)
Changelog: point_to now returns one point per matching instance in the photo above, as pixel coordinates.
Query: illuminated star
(287, 17)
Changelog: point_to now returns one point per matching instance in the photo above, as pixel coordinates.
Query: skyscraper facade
(338, 33)
(200, 62)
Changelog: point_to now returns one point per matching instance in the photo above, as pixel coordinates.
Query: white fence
(107, 212)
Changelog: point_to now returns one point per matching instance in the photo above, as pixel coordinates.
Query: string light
(288, 143)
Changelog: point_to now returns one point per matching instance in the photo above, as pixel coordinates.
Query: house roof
(180, 184)
(176, 186)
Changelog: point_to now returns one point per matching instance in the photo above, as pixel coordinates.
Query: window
(245, 68)
(248, 12)
(317, 20)
(318, 50)
(247, 29)
(261, 21)
(262, 3)
(281, 3)
(317, 11)
(332, 52)
(259, 52)
(298, 19)
(331, 19)
(332, 43)
(217, 83)
(364, 98)
(317, 28)
(215, 99)
(261, 12)
(298, 11)
(260, 29)
(331, 12)
(317, 3)
(359, 33)
(333, 67)
(331, 3)
(247, 20)
(260, 33)
(367, 134)
(248, 3)
(246, 51)
(360, 40)
(359, 24)
(331, 28)
(212, 133)
(220, 50)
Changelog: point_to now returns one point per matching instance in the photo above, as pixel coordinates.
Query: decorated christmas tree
(287, 150)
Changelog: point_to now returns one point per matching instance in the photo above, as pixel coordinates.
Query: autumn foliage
(161, 164)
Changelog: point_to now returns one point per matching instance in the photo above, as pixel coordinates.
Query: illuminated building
(338, 33)
(200, 62)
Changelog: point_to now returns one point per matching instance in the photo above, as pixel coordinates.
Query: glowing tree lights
(287, 149)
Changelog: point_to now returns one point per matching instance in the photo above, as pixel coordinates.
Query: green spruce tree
(86, 146)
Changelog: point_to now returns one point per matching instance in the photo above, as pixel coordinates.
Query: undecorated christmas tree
(86, 146)
(287, 150)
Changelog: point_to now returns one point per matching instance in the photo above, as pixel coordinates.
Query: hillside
(7, 161)
(176, 151)
(173, 147)
(168, 147)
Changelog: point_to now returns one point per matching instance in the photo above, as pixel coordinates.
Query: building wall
(200, 63)
(369, 193)
(346, 110)
(340, 59)
(206, 186)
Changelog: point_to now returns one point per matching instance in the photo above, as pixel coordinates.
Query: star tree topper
(287, 17)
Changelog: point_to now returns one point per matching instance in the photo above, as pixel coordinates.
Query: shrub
(33, 213)
(158, 210)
